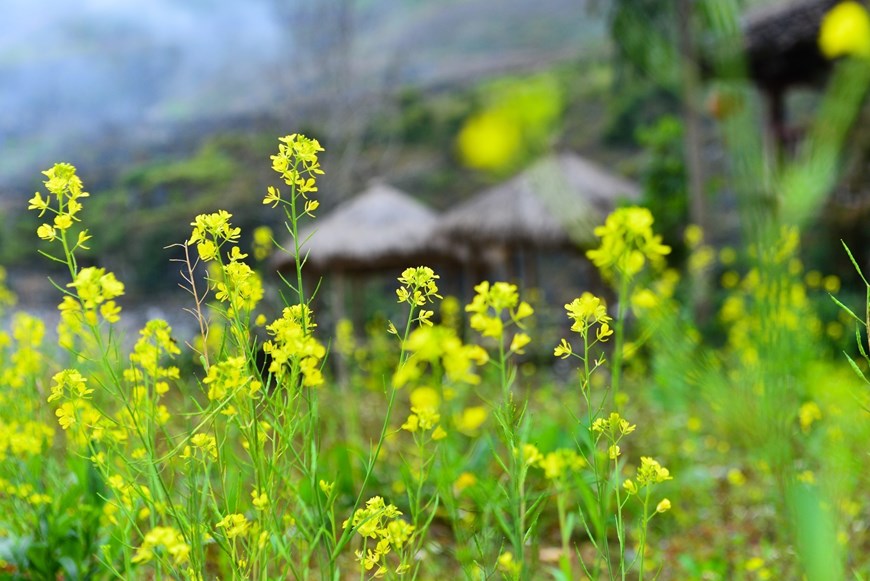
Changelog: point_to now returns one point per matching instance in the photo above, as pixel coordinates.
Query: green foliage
(663, 177)
(635, 108)
(645, 40)
(208, 167)
(517, 121)
(205, 471)
(445, 452)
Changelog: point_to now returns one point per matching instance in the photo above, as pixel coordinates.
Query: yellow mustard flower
(489, 141)
(469, 421)
(465, 480)
(693, 235)
(845, 31)
(234, 525)
(628, 243)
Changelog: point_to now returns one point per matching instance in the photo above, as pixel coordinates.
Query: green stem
(297, 246)
(644, 523)
(620, 522)
(622, 311)
(565, 532)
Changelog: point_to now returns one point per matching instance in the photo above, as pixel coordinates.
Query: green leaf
(845, 308)
(855, 368)
(860, 342)
(855, 263)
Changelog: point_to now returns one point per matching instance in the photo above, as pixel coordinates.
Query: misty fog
(72, 72)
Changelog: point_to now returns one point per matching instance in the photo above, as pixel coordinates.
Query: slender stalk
(644, 523)
(619, 332)
(565, 533)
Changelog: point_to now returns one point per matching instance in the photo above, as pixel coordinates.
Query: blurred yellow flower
(808, 414)
(693, 235)
(470, 420)
(754, 564)
(425, 397)
(519, 342)
(234, 524)
(516, 123)
(489, 141)
(736, 477)
(831, 283)
(465, 480)
(845, 31)
(727, 256)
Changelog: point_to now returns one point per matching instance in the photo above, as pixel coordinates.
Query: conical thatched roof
(379, 228)
(557, 201)
(782, 42)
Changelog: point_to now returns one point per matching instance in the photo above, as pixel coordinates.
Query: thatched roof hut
(781, 51)
(379, 228)
(558, 201)
(782, 45)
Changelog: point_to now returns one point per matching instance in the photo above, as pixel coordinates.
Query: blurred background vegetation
(171, 111)
(166, 121)
(725, 112)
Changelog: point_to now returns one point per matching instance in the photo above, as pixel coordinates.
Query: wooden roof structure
(380, 228)
(557, 201)
(781, 43)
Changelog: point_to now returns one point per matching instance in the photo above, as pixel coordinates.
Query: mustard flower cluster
(644, 300)
(238, 284)
(509, 566)
(67, 189)
(423, 420)
(702, 255)
(297, 163)
(557, 465)
(155, 341)
(69, 380)
(293, 347)
(260, 499)
(529, 454)
(808, 414)
(75, 410)
(242, 287)
(23, 438)
(380, 522)
(497, 306)
(163, 540)
(7, 297)
(613, 429)
(418, 289)
(585, 311)
(203, 448)
(234, 525)
(628, 243)
(211, 232)
(440, 346)
(24, 492)
(95, 290)
(83, 422)
(774, 288)
(231, 377)
(25, 355)
(648, 473)
(130, 498)
(262, 243)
